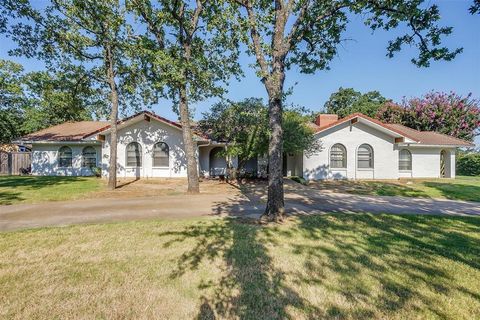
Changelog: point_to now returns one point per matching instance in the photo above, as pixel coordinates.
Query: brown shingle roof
(429, 137)
(68, 131)
(76, 131)
(421, 137)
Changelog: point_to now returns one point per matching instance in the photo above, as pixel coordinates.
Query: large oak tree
(190, 51)
(306, 33)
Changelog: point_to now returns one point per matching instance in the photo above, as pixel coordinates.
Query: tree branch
(257, 43)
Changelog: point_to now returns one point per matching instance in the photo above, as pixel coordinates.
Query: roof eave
(56, 142)
(435, 145)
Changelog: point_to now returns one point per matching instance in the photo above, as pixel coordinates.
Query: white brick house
(356, 147)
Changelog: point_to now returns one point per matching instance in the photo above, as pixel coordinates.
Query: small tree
(190, 50)
(243, 127)
(347, 101)
(306, 33)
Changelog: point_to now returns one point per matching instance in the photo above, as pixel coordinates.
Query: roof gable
(418, 137)
(140, 116)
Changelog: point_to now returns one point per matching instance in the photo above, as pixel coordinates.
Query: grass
(28, 189)
(358, 266)
(461, 188)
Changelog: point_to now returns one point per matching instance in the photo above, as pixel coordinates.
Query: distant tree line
(36, 100)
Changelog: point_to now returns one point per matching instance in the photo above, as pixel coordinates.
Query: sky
(361, 63)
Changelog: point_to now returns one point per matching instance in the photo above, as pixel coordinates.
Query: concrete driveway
(249, 201)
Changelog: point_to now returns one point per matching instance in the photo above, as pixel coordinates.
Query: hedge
(468, 164)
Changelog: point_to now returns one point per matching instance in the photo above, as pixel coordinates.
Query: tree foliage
(306, 33)
(243, 126)
(468, 164)
(12, 99)
(475, 8)
(190, 52)
(447, 113)
(347, 101)
(93, 35)
(40, 99)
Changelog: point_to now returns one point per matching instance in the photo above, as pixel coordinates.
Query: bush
(469, 164)
(97, 172)
(299, 180)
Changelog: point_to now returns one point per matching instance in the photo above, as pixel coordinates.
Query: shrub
(299, 180)
(97, 172)
(469, 164)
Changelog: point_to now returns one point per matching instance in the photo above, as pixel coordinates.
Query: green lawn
(28, 189)
(357, 266)
(461, 188)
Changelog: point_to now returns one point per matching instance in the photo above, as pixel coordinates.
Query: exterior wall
(425, 160)
(45, 160)
(294, 165)
(147, 134)
(204, 160)
(453, 163)
(317, 166)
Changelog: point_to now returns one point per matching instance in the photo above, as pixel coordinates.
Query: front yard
(35, 189)
(346, 266)
(29, 189)
(460, 188)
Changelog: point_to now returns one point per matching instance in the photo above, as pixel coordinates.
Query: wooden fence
(15, 163)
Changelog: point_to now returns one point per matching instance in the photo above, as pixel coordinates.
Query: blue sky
(361, 63)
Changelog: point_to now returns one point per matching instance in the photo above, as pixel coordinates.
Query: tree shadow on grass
(367, 266)
(9, 197)
(380, 188)
(456, 191)
(37, 182)
(398, 253)
(252, 288)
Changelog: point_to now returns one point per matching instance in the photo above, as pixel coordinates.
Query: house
(355, 147)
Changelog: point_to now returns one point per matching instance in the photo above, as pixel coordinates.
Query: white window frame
(371, 157)
(168, 155)
(140, 155)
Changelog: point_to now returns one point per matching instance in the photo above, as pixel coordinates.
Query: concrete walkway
(299, 199)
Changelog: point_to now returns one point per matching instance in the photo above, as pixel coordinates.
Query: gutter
(55, 142)
(434, 145)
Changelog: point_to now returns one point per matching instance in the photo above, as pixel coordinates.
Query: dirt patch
(132, 188)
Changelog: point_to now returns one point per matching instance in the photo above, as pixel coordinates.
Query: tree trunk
(275, 203)
(192, 168)
(112, 170)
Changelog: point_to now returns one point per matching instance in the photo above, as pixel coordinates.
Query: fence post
(9, 163)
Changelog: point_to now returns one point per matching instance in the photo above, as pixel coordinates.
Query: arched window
(160, 155)
(134, 155)
(65, 157)
(405, 160)
(338, 156)
(365, 157)
(89, 157)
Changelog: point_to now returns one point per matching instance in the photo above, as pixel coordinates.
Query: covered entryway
(218, 163)
(445, 164)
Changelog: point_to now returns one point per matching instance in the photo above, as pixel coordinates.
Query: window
(365, 157)
(160, 155)
(338, 156)
(89, 157)
(405, 160)
(134, 155)
(65, 157)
